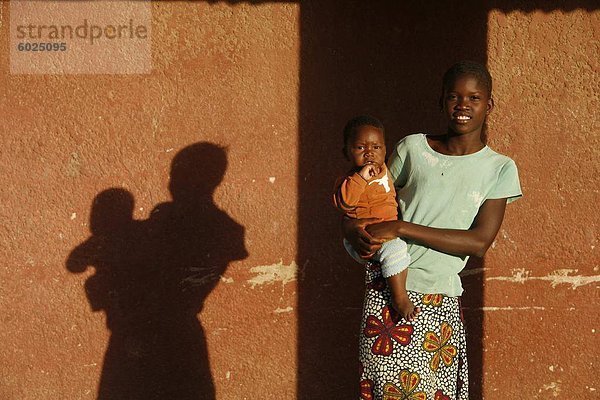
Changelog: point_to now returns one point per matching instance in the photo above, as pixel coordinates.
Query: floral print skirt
(421, 360)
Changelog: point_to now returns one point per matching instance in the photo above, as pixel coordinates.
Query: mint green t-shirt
(443, 191)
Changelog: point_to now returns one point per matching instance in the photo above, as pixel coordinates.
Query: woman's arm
(355, 233)
(472, 242)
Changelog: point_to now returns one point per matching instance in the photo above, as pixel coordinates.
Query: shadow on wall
(153, 276)
(385, 59)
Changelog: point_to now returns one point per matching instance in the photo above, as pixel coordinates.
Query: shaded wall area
(385, 59)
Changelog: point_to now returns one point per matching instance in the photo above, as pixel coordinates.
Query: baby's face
(367, 147)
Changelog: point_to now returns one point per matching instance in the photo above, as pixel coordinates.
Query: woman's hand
(355, 233)
(385, 231)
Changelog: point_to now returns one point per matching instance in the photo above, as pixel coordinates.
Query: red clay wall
(269, 83)
(541, 279)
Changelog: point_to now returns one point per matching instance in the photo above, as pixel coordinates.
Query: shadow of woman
(152, 278)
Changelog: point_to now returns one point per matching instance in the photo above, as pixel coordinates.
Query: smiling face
(366, 147)
(466, 103)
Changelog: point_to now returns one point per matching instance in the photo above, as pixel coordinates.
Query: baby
(368, 192)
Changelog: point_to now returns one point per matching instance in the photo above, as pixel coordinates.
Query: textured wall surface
(542, 278)
(180, 218)
(225, 75)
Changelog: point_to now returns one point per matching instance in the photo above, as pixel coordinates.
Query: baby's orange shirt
(358, 198)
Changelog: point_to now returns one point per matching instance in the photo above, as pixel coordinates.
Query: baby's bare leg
(400, 300)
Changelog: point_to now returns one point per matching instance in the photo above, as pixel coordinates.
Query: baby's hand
(368, 171)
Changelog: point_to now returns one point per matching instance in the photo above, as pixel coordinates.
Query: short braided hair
(472, 68)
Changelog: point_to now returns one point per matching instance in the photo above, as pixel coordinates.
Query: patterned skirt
(421, 360)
